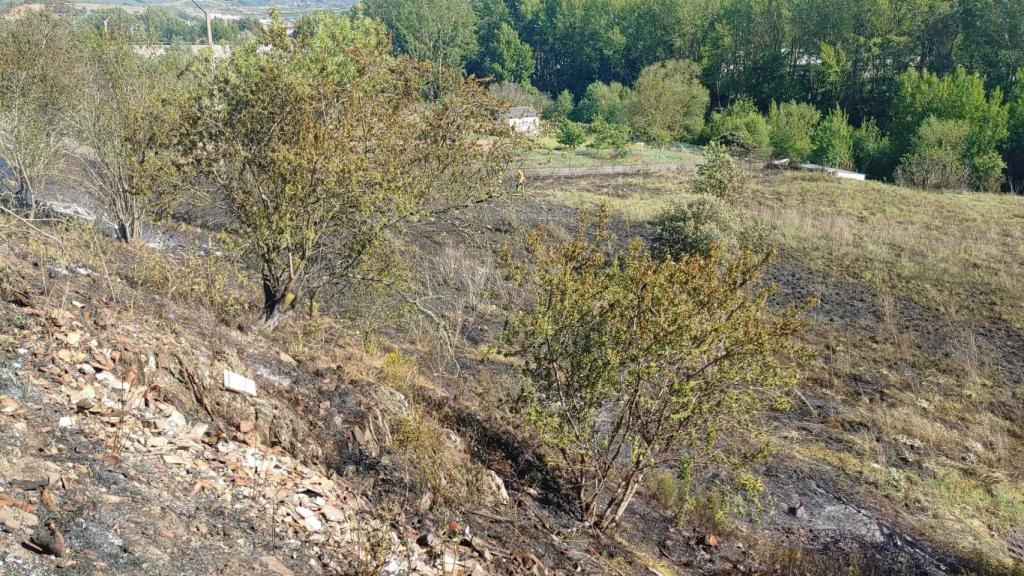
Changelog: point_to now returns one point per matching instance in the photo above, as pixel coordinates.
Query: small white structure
(837, 172)
(785, 164)
(523, 120)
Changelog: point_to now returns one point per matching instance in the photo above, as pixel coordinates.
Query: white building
(524, 120)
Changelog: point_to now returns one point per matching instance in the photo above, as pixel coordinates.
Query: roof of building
(521, 112)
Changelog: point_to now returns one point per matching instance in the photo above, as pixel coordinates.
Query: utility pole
(209, 26)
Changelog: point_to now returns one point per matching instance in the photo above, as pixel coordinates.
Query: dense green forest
(898, 85)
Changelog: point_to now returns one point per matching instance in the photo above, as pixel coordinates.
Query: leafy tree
(610, 136)
(668, 102)
(561, 108)
(872, 151)
(35, 101)
(635, 363)
(832, 73)
(128, 125)
(507, 57)
(790, 125)
(956, 96)
(606, 101)
(936, 161)
(442, 32)
(571, 134)
(742, 128)
(325, 146)
(1015, 145)
(833, 141)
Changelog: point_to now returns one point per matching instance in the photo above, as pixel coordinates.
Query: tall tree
(324, 145)
(40, 68)
(442, 32)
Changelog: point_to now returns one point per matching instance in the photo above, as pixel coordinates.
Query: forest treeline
(921, 79)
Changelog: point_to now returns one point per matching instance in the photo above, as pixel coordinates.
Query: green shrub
(987, 171)
(603, 101)
(937, 159)
(561, 108)
(790, 125)
(704, 225)
(698, 226)
(872, 151)
(719, 175)
(833, 141)
(742, 128)
(571, 134)
(680, 353)
(668, 102)
(609, 136)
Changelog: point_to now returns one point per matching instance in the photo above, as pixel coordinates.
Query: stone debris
(114, 414)
(235, 382)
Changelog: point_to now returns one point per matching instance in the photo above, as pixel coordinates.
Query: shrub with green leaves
(668, 102)
(609, 136)
(987, 171)
(742, 128)
(833, 141)
(634, 363)
(719, 175)
(872, 151)
(700, 226)
(790, 125)
(704, 225)
(561, 108)
(571, 134)
(937, 157)
(604, 101)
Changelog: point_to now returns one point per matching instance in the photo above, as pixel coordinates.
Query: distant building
(524, 120)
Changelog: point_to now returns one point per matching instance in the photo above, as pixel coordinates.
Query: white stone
(235, 382)
(312, 522)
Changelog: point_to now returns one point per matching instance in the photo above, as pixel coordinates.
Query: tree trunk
(24, 198)
(613, 514)
(129, 230)
(278, 303)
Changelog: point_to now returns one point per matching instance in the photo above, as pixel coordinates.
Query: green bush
(937, 158)
(609, 136)
(698, 226)
(987, 171)
(741, 127)
(682, 354)
(668, 102)
(561, 108)
(790, 125)
(703, 225)
(571, 134)
(719, 175)
(833, 141)
(872, 151)
(603, 101)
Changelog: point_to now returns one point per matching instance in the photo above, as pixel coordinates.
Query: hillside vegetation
(312, 305)
(914, 401)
